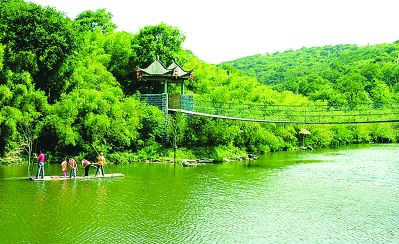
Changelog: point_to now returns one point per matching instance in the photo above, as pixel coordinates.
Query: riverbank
(184, 156)
(197, 156)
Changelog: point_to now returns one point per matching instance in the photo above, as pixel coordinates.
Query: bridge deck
(281, 121)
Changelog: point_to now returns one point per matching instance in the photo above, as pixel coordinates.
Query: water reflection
(101, 194)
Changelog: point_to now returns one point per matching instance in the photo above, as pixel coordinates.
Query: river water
(344, 195)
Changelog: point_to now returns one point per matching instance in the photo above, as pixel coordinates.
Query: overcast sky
(222, 30)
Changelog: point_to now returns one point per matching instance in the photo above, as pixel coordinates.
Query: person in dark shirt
(86, 165)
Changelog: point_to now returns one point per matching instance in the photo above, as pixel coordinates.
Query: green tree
(352, 86)
(118, 46)
(99, 19)
(381, 94)
(1, 56)
(38, 40)
(159, 40)
(22, 109)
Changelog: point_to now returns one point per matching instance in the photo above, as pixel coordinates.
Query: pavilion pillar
(165, 87)
(182, 88)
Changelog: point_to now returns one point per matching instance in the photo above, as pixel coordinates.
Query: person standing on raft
(64, 167)
(86, 164)
(72, 167)
(100, 164)
(40, 159)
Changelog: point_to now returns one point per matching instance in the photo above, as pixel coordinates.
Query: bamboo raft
(56, 177)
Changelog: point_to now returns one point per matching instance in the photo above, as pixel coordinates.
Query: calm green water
(346, 195)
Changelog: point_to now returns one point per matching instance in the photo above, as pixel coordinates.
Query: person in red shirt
(40, 159)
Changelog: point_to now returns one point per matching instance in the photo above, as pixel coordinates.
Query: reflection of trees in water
(101, 193)
(38, 203)
(67, 189)
(40, 190)
(64, 190)
(13, 171)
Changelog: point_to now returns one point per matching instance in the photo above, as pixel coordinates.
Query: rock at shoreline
(252, 157)
(207, 161)
(307, 148)
(191, 163)
(203, 161)
(241, 158)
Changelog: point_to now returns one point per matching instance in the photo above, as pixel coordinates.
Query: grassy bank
(267, 139)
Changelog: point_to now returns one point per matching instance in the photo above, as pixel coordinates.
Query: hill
(341, 74)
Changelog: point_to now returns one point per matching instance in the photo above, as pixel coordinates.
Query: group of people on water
(72, 165)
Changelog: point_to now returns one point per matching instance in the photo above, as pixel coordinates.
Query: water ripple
(328, 196)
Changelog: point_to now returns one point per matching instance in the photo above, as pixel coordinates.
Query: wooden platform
(56, 177)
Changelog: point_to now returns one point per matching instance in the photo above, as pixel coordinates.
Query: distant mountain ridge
(340, 74)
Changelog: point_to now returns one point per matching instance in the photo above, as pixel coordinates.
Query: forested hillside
(68, 87)
(342, 74)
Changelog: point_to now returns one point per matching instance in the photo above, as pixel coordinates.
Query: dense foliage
(342, 74)
(39, 41)
(68, 87)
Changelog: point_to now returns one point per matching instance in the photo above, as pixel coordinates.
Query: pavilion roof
(179, 70)
(157, 70)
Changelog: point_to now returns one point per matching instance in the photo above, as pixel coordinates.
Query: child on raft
(73, 167)
(64, 167)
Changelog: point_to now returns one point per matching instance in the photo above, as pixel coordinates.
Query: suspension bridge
(157, 75)
(289, 114)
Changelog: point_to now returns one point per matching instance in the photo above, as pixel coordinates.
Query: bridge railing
(305, 113)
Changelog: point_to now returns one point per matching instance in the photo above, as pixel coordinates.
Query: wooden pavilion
(156, 75)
